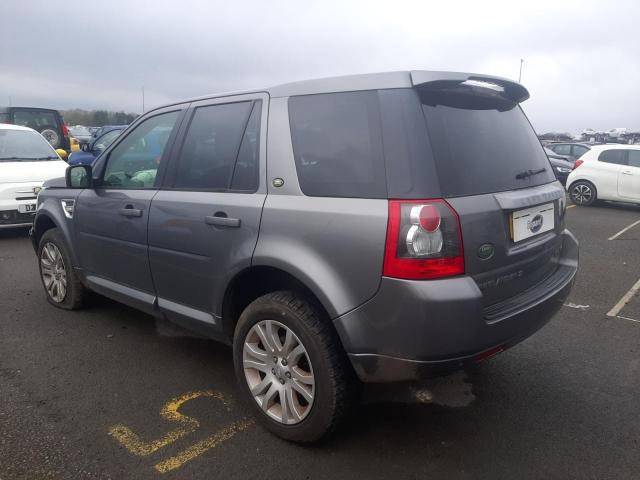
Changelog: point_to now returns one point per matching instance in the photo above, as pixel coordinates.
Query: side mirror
(79, 176)
(84, 147)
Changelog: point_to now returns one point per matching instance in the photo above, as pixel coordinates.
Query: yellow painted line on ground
(571, 206)
(132, 441)
(203, 446)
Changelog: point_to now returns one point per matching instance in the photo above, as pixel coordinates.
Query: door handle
(129, 211)
(627, 172)
(220, 219)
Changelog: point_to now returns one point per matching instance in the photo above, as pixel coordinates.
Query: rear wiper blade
(529, 173)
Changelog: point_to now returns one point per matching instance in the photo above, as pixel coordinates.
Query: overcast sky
(582, 58)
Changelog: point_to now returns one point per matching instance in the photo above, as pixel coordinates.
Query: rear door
(629, 177)
(204, 222)
(111, 219)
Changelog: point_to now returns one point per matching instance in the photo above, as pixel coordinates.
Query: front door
(629, 178)
(112, 218)
(204, 222)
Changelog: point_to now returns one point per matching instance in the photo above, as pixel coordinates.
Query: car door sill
(129, 296)
(182, 310)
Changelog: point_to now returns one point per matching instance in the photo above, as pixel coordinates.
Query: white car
(26, 161)
(606, 172)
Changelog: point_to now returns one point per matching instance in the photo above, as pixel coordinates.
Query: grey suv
(369, 228)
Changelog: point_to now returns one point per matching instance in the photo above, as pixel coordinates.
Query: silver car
(371, 228)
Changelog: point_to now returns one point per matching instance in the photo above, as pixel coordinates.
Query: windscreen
(481, 142)
(24, 145)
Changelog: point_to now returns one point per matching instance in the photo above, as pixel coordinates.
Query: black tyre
(61, 283)
(51, 134)
(291, 368)
(583, 193)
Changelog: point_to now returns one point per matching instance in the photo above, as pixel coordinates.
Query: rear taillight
(578, 163)
(424, 240)
(65, 130)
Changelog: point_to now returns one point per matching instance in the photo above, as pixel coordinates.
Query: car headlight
(563, 170)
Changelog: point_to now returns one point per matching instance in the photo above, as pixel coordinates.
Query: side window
(105, 140)
(579, 150)
(337, 144)
(613, 156)
(35, 119)
(247, 169)
(634, 158)
(562, 149)
(134, 162)
(211, 146)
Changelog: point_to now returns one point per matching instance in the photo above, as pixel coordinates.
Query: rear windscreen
(482, 143)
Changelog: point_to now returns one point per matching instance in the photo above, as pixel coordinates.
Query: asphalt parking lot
(106, 393)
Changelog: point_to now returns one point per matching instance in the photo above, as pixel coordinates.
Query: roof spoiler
(436, 80)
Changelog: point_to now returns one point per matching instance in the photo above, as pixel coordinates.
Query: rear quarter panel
(335, 246)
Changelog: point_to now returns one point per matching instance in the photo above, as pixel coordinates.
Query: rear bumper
(416, 329)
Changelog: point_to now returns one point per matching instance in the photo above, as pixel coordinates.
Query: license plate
(27, 208)
(532, 221)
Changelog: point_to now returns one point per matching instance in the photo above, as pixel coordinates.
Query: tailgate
(510, 244)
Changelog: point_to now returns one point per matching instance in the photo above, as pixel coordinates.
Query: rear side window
(562, 149)
(579, 150)
(36, 119)
(212, 145)
(616, 157)
(337, 144)
(634, 158)
(247, 168)
(482, 142)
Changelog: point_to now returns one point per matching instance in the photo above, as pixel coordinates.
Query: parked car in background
(100, 130)
(606, 172)
(90, 151)
(331, 230)
(26, 161)
(562, 166)
(49, 123)
(82, 134)
(572, 151)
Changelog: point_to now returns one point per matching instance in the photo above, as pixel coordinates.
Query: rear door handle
(221, 220)
(627, 172)
(129, 211)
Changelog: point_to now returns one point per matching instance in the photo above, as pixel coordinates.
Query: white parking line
(624, 230)
(624, 300)
(627, 318)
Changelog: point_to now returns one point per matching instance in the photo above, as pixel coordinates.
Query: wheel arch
(255, 281)
(45, 220)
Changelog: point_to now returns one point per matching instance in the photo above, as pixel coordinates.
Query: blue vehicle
(90, 151)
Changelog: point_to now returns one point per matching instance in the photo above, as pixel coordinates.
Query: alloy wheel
(278, 372)
(581, 194)
(53, 272)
